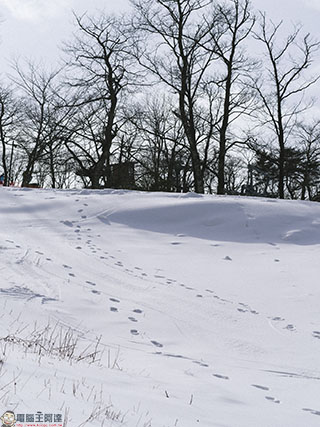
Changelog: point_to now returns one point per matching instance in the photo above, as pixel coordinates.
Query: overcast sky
(35, 28)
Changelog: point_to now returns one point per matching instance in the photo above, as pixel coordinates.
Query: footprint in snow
(137, 310)
(80, 210)
(272, 399)
(312, 411)
(90, 283)
(95, 292)
(132, 319)
(204, 365)
(134, 332)
(39, 253)
(316, 334)
(222, 377)
(114, 309)
(156, 343)
(114, 300)
(72, 275)
(260, 387)
(67, 223)
(78, 247)
(83, 216)
(290, 327)
(77, 230)
(67, 266)
(175, 243)
(278, 319)
(227, 258)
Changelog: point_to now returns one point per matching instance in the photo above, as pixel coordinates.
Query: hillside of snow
(121, 308)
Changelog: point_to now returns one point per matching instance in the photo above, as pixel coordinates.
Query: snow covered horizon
(126, 308)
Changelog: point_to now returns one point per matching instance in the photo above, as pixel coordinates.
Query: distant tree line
(169, 98)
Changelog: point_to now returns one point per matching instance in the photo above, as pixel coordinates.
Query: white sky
(35, 28)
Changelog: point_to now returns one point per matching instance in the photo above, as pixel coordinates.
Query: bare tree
(308, 143)
(176, 56)
(100, 70)
(283, 85)
(40, 105)
(231, 25)
(9, 129)
(160, 149)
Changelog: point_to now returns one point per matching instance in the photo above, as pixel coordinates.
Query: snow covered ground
(137, 309)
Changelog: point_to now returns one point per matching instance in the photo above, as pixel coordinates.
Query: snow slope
(198, 310)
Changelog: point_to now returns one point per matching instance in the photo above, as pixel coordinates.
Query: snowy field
(159, 310)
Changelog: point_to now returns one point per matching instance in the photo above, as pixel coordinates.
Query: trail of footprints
(241, 308)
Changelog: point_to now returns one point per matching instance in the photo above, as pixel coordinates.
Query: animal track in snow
(290, 327)
(272, 399)
(132, 319)
(246, 309)
(67, 223)
(90, 283)
(222, 377)
(202, 364)
(156, 343)
(114, 309)
(316, 334)
(312, 411)
(137, 310)
(114, 300)
(260, 387)
(134, 332)
(278, 319)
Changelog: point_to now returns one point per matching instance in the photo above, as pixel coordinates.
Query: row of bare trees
(199, 95)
